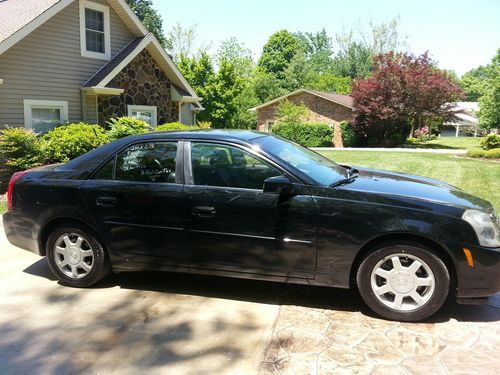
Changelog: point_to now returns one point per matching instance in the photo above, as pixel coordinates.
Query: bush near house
(349, 138)
(491, 141)
(175, 126)
(493, 153)
(21, 149)
(124, 126)
(67, 142)
(306, 134)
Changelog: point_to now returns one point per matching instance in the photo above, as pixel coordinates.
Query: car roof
(208, 134)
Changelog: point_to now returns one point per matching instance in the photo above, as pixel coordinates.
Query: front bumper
(483, 279)
(20, 231)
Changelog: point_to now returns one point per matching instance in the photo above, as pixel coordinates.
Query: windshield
(320, 169)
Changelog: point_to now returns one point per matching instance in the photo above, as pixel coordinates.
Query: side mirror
(278, 185)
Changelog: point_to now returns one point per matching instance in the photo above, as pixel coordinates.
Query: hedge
(305, 134)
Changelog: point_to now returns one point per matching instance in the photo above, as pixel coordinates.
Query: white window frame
(85, 4)
(131, 108)
(29, 104)
(270, 122)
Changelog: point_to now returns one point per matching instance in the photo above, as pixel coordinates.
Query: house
(464, 122)
(325, 107)
(85, 60)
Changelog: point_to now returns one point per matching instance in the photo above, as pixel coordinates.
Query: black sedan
(251, 205)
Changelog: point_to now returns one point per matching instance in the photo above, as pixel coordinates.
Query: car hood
(417, 187)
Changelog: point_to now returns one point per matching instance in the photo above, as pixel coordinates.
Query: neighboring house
(82, 60)
(325, 107)
(465, 121)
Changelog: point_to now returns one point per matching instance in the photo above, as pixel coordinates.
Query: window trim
(29, 104)
(85, 4)
(152, 108)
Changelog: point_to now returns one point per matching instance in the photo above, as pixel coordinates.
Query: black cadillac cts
(251, 205)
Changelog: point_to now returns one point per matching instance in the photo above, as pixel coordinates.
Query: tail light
(10, 190)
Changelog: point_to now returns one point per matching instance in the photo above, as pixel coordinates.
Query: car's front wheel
(76, 257)
(403, 282)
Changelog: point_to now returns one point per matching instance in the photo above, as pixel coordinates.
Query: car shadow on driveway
(265, 292)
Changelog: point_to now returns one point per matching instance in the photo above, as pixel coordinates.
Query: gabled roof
(128, 53)
(344, 100)
(18, 18)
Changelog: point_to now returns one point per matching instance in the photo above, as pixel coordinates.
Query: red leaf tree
(404, 92)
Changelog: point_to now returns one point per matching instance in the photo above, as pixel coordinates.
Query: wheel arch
(49, 226)
(408, 238)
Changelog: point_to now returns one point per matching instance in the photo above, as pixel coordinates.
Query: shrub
(175, 126)
(124, 126)
(422, 133)
(348, 135)
(305, 134)
(494, 153)
(204, 124)
(69, 141)
(21, 149)
(475, 153)
(490, 141)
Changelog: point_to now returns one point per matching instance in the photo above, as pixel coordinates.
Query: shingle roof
(113, 63)
(15, 14)
(338, 98)
(344, 100)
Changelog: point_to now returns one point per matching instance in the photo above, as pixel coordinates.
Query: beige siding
(47, 65)
(187, 114)
(90, 106)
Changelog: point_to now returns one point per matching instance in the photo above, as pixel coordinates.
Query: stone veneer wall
(322, 110)
(144, 83)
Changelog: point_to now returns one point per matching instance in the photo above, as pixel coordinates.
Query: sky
(460, 35)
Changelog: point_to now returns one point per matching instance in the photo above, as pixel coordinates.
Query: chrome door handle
(203, 211)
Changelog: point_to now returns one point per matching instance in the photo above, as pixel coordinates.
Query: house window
(269, 126)
(143, 112)
(94, 30)
(43, 115)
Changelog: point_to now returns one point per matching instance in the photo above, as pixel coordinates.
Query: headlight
(485, 225)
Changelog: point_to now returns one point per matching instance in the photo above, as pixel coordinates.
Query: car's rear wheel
(76, 257)
(403, 282)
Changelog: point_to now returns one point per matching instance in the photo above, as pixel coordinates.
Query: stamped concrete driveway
(181, 324)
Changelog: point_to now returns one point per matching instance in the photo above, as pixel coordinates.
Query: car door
(234, 225)
(137, 202)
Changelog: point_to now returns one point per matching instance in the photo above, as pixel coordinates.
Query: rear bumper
(483, 279)
(19, 231)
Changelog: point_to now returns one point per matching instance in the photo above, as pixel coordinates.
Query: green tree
(279, 52)
(149, 17)
(330, 83)
(476, 82)
(489, 104)
(240, 56)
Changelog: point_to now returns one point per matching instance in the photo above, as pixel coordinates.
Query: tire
(76, 257)
(403, 282)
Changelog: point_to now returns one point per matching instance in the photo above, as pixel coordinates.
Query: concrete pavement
(179, 324)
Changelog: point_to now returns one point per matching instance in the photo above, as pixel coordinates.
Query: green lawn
(3, 206)
(478, 177)
(464, 143)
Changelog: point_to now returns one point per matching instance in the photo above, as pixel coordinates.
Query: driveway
(180, 324)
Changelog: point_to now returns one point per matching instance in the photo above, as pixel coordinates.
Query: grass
(463, 143)
(478, 177)
(3, 207)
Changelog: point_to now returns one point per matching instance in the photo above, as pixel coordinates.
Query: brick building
(326, 107)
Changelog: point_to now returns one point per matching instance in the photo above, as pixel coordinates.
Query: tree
(181, 41)
(489, 105)
(477, 82)
(404, 91)
(278, 53)
(330, 83)
(240, 56)
(149, 17)
(356, 48)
